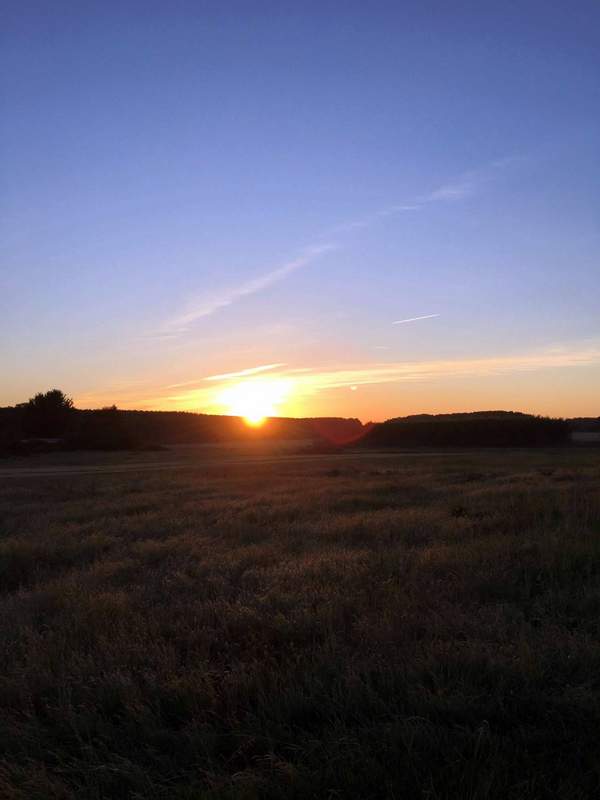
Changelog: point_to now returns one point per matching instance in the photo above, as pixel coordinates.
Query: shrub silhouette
(47, 414)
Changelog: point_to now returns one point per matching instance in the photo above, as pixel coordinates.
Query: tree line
(49, 420)
(477, 429)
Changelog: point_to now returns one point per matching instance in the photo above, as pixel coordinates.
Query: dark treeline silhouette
(50, 421)
(477, 429)
(181, 427)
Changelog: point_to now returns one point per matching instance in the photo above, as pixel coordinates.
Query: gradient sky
(192, 189)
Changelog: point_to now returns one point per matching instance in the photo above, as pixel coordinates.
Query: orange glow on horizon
(555, 382)
(254, 400)
(254, 421)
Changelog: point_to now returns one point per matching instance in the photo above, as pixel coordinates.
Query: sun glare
(255, 400)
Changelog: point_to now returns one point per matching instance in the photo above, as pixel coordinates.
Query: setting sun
(255, 400)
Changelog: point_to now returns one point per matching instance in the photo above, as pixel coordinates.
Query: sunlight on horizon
(255, 400)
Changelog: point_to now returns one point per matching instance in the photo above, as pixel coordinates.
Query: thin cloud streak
(313, 381)
(468, 183)
(205, 306)
(429, 370)
(452, 191)
(227, 375)
(462, 187)
(244, 372)
(414, 319)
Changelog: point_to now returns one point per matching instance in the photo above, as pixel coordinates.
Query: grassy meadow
(359, 626)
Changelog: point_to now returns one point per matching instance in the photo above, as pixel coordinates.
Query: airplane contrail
(414, 319)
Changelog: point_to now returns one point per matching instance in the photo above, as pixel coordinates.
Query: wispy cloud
(414, 319)
(456, 190)
(468, 183)
(459, 188)
(418, 372)
(429, 370)
(206, 305)
(227, 375)
(309, 381)
(244, 372)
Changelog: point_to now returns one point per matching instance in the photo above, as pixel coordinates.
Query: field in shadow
(407, 627)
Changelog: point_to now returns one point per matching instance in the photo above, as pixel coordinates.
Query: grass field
(243, 626)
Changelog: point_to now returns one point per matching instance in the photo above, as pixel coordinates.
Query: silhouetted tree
(47, 414)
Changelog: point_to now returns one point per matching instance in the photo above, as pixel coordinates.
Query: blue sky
(193, 189)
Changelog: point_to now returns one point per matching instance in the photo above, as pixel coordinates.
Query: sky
(348, 209)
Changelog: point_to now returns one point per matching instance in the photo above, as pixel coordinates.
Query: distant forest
(52, 416)
(477, 429)
(50, 421)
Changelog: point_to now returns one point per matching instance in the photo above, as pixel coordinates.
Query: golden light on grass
(255, 400)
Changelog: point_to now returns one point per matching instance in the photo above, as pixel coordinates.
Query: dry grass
(414, 627)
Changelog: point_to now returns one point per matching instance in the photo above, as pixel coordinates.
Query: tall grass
(418, 627)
